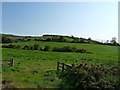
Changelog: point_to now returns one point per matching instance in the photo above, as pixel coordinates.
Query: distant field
(36, 68)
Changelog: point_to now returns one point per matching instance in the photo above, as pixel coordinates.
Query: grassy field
(36, 69)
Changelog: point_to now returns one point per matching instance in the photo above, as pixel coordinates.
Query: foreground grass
(36, 69)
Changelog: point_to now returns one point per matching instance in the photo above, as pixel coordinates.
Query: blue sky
(98, 20)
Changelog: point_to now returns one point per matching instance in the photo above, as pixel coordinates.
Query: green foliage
(13, 69)
(11, 46)
(76, 40)
(7, 40)
(89, 76)
(113, 42)
(34, 64)
(81, 51)
(68, 49)
(64, 49)
(49, 39)
(82, 40)
(27, 47)
(47, 48)
(36, 46)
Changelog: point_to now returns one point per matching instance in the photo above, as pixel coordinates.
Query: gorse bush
(89, 76)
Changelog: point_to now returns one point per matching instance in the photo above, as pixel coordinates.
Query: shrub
(49, 39)
(11, 46)
(29, 39)
(27, 47)
(36, 39)
(69, 49)
(56, 49)
(88, 76)
(36, 46)
(7, 40)
(47, 48)
(4, 46)
(80, 50)
(64, 49)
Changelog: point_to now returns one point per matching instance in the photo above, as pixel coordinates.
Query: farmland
(37, 69)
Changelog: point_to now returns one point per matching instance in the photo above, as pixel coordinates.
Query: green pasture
(36, 69)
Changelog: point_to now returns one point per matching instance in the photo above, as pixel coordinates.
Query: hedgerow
(69, 49)
(47, 48)
(11, 46)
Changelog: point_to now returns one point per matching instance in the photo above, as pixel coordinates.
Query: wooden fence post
(62, 67)
(12, 62)
(57, 65)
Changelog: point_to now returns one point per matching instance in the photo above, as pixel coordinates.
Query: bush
(11, 46)
(4, 46)
(26, 47)
(64, 49)
(47, 48)
(80, 51)
(89, 76)
(7, 40)
(49, 39)
(68, 49)
(56, 49)
(36, 46)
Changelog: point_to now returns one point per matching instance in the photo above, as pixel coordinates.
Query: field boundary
(62, 66)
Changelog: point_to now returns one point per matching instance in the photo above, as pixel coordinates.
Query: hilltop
(9, 38)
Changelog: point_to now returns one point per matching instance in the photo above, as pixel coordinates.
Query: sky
(98, 20)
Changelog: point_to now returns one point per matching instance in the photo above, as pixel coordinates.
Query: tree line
(58, 38)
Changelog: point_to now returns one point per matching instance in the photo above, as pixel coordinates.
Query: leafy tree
(107, 41)
(89, 38)
(113, 41)
(72, 36)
